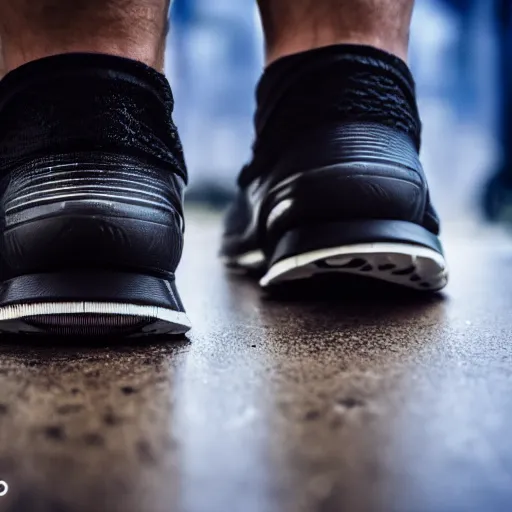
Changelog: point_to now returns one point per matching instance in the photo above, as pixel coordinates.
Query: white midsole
(389, 249)
(20, 311)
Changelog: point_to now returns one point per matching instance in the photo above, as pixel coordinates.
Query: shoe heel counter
(361, 172)
(100, 214)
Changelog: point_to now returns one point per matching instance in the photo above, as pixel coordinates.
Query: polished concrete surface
(363, 402)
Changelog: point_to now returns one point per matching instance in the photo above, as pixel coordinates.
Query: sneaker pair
(93, 176)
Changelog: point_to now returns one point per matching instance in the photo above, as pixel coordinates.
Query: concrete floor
(357, 403)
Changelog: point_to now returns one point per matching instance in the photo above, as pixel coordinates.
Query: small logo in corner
(4, 488)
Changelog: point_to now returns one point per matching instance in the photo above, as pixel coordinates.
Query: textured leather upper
(338, 135)
(332, 86)
(91, 168)
(88, 102)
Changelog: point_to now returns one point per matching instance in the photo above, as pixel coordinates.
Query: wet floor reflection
(312, 388)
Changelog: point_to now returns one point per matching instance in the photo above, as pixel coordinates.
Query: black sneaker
(335, 184)
(92, 178)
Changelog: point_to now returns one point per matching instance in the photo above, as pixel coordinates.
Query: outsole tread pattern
(406, 265)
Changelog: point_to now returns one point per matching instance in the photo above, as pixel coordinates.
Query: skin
(292, 26)
(32, 29)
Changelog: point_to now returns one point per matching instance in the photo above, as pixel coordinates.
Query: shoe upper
(354, 171)
(91, 168)
(337, 138)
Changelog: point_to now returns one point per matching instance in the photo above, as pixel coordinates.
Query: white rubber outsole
(408, 265)
(73, 316)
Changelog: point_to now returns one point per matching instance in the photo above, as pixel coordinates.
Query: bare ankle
(143, 53)
(293, 26)
(134, 29)
(302, 44)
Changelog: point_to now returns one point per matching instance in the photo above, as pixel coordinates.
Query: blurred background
(460, 50)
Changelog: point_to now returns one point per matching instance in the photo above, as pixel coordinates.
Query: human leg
(32, 29)
(295, 26)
